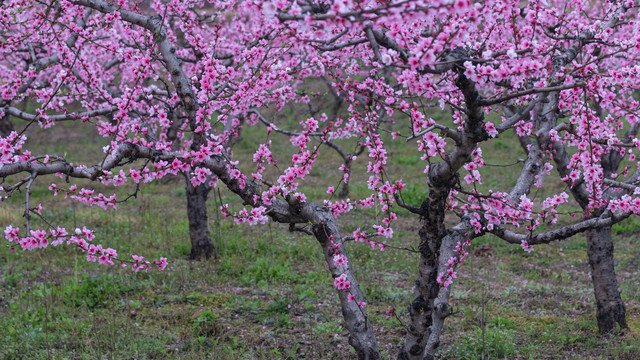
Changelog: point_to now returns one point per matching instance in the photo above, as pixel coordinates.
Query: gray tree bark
(361, 335)
(201, 244)
(6, 126)
(610, 309)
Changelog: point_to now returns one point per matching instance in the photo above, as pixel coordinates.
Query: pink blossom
(341, 282)
(340, 261)
(526, 247)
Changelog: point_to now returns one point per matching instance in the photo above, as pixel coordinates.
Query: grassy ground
(268, 295)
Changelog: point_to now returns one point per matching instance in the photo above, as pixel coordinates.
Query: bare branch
(515, 118)
(488, 102)
(58, 117)
(27, 214)
(446, 131)
(374, 44)
(622, 185)
(562, 233)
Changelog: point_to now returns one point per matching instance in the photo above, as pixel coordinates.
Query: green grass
(268, 295)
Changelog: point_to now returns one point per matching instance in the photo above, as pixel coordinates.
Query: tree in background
(170, 86)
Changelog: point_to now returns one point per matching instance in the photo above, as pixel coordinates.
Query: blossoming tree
(170, 84)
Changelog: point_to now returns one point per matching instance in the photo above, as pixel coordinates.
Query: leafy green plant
(94, 292)
(498, 344)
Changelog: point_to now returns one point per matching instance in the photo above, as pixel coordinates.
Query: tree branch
(58, 117)
(606, 219)
(489, 102)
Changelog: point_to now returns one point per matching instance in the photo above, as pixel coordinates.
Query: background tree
(176, 81)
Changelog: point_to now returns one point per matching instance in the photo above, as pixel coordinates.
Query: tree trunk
(610, 308)
(361, 335)
(430, 306)
(431, 302)
(6, 126)
(421, 308)
(201, 244)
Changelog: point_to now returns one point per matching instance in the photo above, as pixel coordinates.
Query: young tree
(175, 81)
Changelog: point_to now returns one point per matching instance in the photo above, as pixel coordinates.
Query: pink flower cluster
(10, 146)
(341, 282)
(255, 216)
(81, 238)
(140, 264)
(84, 196)
(445, 278)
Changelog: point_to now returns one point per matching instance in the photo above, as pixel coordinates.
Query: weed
(94, 292)
(498, 344)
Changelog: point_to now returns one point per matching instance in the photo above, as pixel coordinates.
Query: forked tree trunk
(430, 306)
(421, 308)
(610, 308)
(201, 244)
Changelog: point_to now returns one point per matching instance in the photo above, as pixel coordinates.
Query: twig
(294, 228)
(27, 215)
